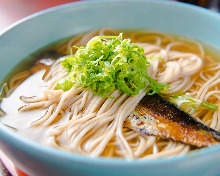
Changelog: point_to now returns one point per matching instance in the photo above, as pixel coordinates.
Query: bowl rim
(32, 146)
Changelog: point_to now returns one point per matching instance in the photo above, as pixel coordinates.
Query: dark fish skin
(155, 115)
(45, 61)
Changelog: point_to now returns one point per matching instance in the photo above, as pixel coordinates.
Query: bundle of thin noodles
(85, 123)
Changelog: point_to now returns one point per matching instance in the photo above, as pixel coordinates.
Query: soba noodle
(93, 125)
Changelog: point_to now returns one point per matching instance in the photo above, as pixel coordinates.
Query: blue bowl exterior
(28, 35)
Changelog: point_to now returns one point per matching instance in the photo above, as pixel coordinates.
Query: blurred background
(13, 10)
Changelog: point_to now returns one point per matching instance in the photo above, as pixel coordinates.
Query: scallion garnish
(186, 101)
(108, 63)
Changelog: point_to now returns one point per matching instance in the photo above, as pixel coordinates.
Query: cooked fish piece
(155, 115)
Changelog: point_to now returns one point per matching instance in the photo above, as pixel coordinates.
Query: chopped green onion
(155, 57)
(108, 63)
(183, 101)
(209, 106)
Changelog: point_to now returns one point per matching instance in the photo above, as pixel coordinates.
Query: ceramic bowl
(41, 29)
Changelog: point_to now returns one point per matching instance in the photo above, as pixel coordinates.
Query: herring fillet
(155, 115)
